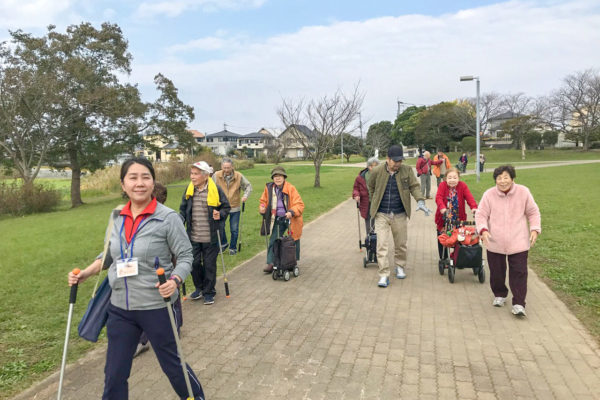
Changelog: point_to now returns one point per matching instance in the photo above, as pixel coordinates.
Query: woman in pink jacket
(509, 222)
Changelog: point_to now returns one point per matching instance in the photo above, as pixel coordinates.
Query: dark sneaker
(268, 269)
(196, 295)
(232, 252)
(208, 300)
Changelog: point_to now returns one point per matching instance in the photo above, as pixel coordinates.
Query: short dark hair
(505, 168)
(160, 192)
(137, 160)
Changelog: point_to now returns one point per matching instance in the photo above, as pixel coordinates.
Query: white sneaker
(519, 310)
(384, 281)
(499, 301)
(400, 273)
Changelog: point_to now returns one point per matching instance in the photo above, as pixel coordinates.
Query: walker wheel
(481, 275)
(274, 275)
(365, 262)
(286, 276)
(441, 266)
(296, 271)
(451, 272)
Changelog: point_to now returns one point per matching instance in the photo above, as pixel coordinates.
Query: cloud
(24, 14)
(219, 41)
(173, 9)
(515, 46)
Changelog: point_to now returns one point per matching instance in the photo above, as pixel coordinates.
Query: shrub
(260, 159)
(468, 144)
(16, 199)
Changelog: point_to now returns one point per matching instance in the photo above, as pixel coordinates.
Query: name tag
(127, 267)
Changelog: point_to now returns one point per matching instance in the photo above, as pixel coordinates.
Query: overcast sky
(234, 60)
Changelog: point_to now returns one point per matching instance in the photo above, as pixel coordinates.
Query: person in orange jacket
(279, 205)
(439, 165)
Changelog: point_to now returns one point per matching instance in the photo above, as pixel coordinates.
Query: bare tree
(327, 117)
(490, 105)
(576, 105)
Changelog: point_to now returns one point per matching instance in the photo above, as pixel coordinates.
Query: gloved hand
(421, 206)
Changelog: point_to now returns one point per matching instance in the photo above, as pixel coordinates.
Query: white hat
(203, 166)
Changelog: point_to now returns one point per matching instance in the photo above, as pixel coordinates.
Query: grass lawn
(567, 252)
(38, 251)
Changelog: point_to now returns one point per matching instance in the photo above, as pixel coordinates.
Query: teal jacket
(160, 235)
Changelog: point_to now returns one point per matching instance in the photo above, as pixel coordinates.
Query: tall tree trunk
(317, 173)
(75, 178)
(523, 148)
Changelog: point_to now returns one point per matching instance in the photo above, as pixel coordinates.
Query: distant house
(156, 148)
(198, 136)
(221, 142)
(289, 139)
(255, 143)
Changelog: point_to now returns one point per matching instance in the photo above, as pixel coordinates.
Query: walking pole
(266, 236)
(360, 246)
(72, 299)
(162, 279)
(184, 292)
(223, 261)
(240, 227)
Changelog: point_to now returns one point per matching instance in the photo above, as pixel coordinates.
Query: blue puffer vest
(391, 201)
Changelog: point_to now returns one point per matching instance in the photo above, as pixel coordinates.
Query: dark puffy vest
(391, 201)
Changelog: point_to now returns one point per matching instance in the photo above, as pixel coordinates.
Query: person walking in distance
(360, 193)
(424, 173)
(203, 208)
(390, 187)
(237, 189)
(440, 164)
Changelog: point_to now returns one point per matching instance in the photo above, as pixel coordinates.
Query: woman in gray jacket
(144, 231)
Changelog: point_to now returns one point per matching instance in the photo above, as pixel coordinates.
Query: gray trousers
(426, 185)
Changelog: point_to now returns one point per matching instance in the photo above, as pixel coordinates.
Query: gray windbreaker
(160, 235)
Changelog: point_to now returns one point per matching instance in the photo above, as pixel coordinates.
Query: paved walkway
(333, 334)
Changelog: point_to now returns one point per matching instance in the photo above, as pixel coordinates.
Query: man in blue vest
(390, 187)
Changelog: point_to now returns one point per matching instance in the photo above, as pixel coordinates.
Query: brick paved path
(333, 334)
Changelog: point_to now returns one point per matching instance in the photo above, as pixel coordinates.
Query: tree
(550, 138)
(97, 117)
(443, 123)
(520, 129)
(403, 131)
(168, 116)
(327, 117)
(577, 105)
(379, 136)
(352, 145)
(490, 105)
(27, 120)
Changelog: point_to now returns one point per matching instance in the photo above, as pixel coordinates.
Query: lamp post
(477, 138)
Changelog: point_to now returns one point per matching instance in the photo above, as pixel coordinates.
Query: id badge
(127, 267)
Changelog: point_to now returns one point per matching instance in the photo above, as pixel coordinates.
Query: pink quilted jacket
(509, 217)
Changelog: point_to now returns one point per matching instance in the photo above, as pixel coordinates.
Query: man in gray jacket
(390, 187)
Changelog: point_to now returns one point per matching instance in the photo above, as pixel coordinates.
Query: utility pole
(224, 126)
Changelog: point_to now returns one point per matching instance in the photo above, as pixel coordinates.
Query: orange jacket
(292, 201)
(435, 164)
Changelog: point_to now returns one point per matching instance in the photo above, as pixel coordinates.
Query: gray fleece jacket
(160, 235)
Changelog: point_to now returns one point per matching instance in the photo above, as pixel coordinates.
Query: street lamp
(476, 79)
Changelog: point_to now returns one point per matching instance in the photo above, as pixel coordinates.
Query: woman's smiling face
(138, 183)
(504, 181)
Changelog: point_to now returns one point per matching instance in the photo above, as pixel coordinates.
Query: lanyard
(128, 247)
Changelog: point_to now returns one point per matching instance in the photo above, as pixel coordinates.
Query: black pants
(204, 267)
(517, 275)
(123, 330)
